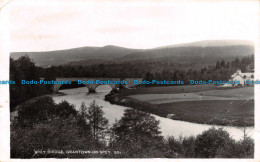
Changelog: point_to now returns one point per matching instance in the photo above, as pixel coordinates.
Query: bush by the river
(212, 143)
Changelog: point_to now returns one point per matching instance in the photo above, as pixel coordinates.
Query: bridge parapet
(92, 87)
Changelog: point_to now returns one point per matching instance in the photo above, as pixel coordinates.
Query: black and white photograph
(130, 79)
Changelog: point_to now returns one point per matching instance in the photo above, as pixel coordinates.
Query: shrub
(37, 110)
(41, 109)
(188, 144)
(207, 143)
(240, 149)
(54, 134)
(174, 147)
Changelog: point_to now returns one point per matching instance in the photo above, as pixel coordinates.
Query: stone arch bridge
(92, 87)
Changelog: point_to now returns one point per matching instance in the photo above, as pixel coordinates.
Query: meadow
(198, 104)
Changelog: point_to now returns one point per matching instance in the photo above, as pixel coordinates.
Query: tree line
(158, 70)
(221, 71)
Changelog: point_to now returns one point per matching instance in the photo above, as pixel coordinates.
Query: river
(112, 112)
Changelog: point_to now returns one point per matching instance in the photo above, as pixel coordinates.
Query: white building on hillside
(242, 77)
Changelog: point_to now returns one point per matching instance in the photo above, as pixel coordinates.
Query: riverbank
(113, 113)
(231, 112)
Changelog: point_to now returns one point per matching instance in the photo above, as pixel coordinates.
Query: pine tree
(137, 134)
(237, 62)
(228, 65)
(96, 120)
(217, 65)
(222, 64)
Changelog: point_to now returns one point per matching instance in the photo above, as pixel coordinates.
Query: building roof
(243, 75)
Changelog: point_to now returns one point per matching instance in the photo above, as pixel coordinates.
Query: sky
(52, 25)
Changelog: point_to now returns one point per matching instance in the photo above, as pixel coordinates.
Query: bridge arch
(105, 88)
(92, 87)
(73, 84)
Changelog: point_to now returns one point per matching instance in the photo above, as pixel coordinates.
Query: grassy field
(245, 93)
(198, 104)
(232, 112)
(172, 89)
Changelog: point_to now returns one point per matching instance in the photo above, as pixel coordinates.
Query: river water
(112, 112)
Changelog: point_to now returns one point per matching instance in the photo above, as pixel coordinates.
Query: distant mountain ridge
(209, 43)
(60, 57)
(199, 52)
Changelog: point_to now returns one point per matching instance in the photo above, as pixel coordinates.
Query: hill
(192, 54)
(201, 52)
(61, 57)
